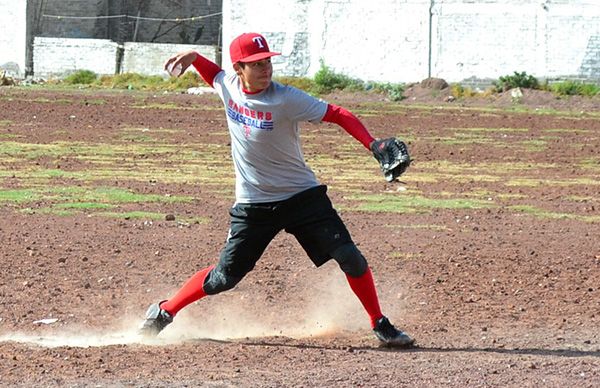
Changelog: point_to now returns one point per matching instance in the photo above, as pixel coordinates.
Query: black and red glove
(392, 155)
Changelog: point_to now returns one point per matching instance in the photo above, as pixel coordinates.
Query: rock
(46, 321)
(434, 83)
(201, 90)
(6, 80)
(516, 94)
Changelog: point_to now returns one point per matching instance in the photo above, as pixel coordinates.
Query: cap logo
(259, 41)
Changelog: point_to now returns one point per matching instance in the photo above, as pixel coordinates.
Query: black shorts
(308, 215)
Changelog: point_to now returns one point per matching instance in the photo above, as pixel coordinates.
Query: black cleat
(390, 336)
(156, 320)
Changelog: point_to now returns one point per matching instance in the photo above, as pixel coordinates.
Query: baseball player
(275, 190)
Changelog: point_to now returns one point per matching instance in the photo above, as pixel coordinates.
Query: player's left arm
(351, 124)
(392, 154)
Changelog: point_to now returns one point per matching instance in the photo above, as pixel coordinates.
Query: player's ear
(237, 68)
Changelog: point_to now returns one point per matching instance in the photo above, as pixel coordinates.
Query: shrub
(81, 77)
(328, 81)
(189, 79)
(517, 80)
(459, 91)
(572, 88)
(395, 92)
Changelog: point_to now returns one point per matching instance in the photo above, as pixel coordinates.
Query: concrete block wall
(13, 37)
(368, 40)
(590, 65)
(125, 29)
(408, 40)
(287, 25)
(386, 40)
(149, 58)
(545, 39)
(56, 57)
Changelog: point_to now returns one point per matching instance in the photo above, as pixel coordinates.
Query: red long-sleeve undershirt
(335, 114)
(345, 119)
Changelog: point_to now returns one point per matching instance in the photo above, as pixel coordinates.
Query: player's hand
(178, 64)
(392, 155)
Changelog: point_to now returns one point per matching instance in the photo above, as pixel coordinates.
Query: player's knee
(350, 260)
(218, 281)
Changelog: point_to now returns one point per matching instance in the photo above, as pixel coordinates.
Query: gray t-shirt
(265, 140)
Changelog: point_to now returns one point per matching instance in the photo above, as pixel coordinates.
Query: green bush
(328, 81)
(189, 79)
(134, 81)
(459, 91)
(573, 88)
(517, 80)
(395, 92)
(81, 77)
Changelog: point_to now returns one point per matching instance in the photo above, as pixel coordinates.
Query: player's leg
(161, 314)
(360, 279)
(323, 235)
(246, 242)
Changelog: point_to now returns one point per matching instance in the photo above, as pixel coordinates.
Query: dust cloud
(330, 308)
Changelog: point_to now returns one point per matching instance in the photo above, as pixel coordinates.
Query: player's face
(256, 75)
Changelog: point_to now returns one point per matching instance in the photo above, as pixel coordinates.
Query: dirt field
(487, 252)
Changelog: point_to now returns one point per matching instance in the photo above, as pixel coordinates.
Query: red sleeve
(207, 69)
(345, 119)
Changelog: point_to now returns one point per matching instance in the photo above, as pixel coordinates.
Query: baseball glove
(392, 155)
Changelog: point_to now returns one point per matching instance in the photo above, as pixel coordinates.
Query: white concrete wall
(149, 58)
(388, 40)
(488, 39)
(12, 36)
(58, 56)
(383, 40)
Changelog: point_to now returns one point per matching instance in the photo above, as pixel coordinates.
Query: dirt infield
(487, 252)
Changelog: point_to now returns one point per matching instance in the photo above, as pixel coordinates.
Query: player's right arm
(207, 68)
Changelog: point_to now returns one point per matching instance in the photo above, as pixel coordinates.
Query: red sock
(190, 292)
(364, 288)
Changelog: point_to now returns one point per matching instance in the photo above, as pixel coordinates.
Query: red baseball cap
(249, 47)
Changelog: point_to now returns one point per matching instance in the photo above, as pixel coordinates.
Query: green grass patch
(488, 167)
(18, 195)
(419, 226)
(535, 182)
(4, 123)
(9, 136)
(385, 108)
(83, 205)
(133, 215)
(566, 130)
(151, 216)
(76, 194)
(592, 164)
(138, 138)
(405, 255)
(91, 209)
(462, 139)
(50, 211)
(541, 213)
(412, 204)
(581, 198)
(491, 129)
(45, 100)
(534, 145)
